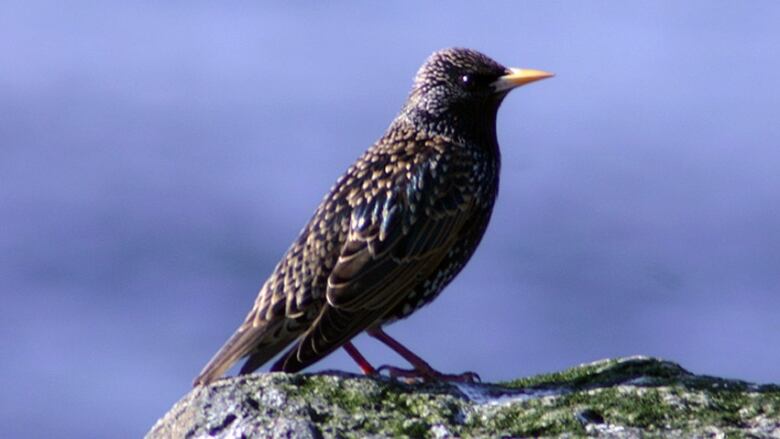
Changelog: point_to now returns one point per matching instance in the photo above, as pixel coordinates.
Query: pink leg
(421, 368)
(364, 365)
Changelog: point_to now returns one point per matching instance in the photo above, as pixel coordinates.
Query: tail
(247, 340)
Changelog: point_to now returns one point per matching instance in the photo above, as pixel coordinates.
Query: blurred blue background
(157, 158)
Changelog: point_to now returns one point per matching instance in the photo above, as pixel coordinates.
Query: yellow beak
(517, 77)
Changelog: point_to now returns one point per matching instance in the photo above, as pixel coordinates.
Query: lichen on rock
(625, 397)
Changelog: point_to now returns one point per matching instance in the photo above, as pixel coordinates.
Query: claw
(471, 377)
(411, 375)
(465, 377)
(422, 370)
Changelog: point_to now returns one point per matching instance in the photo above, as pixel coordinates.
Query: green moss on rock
(616, 398)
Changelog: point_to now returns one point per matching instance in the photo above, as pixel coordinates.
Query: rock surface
(629, 397)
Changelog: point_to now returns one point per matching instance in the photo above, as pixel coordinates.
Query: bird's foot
(428, 374)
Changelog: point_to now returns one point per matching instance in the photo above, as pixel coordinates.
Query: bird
(392, 232)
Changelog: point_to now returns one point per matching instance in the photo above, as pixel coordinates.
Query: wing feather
(396, 240)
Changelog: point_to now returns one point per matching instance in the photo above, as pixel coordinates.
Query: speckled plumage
(393, 231)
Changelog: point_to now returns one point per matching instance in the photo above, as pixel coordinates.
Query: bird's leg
(364, 365)
(421, 367)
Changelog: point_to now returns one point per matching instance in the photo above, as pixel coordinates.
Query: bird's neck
(473, 126)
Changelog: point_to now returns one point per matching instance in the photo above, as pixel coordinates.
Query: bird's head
(460, 90)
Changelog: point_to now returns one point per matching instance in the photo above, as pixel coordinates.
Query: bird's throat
(470, 123)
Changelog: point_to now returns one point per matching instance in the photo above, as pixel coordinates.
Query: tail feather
(239, 345)
(265, 352)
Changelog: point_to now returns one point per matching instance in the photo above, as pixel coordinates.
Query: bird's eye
(471, 81)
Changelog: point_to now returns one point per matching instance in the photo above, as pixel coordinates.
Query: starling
(392, 232)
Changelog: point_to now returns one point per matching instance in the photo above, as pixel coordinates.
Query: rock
(629, 397)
